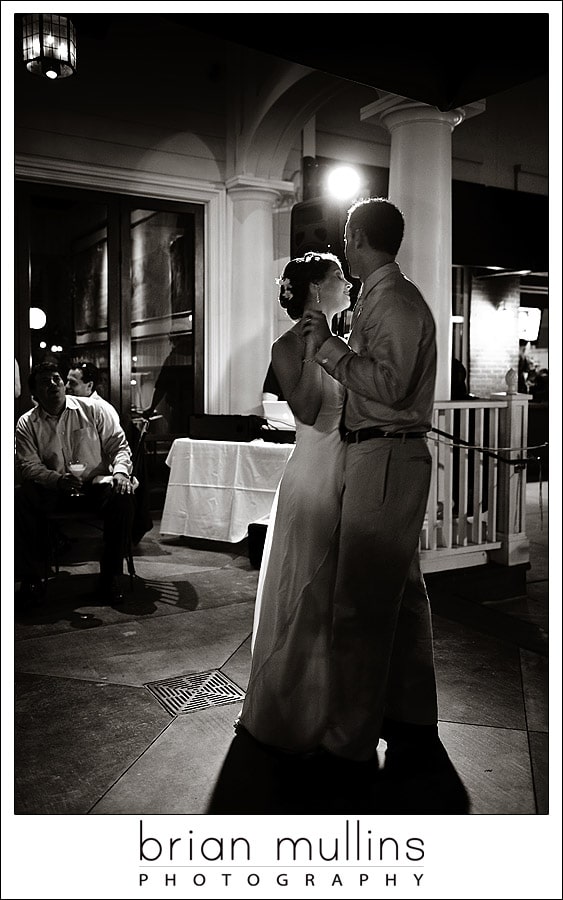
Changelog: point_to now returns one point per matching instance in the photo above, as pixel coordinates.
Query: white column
(420, 184)
(254, 291)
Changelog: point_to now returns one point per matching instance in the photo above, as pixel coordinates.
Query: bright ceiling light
(37, 318)
(344, 182)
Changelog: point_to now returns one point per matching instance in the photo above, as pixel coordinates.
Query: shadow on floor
(69, 596)
(493, 622)
(258, 780)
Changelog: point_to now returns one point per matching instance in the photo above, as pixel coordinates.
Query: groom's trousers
(381, 660)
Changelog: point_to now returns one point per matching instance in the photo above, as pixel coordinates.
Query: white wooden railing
(476, 509)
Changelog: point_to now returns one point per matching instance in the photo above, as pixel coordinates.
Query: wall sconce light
(49, 45)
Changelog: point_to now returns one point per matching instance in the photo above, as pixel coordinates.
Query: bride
(287, 697)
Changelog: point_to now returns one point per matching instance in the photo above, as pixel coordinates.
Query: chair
(142, 521)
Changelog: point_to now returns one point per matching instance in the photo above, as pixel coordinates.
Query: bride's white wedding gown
(287, 697)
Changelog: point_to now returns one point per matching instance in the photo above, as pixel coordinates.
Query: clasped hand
(315, 328)
(121, 483)
(69, 483)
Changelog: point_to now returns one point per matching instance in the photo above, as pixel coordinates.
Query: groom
(382, 666)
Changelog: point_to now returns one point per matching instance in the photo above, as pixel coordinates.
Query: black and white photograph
(278, 591)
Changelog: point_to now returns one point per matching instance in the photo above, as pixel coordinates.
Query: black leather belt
(366, 434)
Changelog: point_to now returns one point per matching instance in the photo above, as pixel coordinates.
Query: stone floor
(92, 737)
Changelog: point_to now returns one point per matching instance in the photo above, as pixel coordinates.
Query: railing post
(511, 512)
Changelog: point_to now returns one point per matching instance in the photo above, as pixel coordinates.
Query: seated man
(59, 431)
(82, 381)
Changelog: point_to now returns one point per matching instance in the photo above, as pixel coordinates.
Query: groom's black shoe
(418, 776)
(411, 745)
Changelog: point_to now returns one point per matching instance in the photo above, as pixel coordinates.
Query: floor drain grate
(188, 693)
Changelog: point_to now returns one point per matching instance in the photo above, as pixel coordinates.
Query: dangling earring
(318, 295)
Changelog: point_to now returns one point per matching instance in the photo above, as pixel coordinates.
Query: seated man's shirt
(107, 406)
(46, 445)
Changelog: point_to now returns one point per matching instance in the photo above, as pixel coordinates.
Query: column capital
(392, 110)
(249, 187)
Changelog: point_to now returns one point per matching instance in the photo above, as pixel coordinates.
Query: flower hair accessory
(285, 287)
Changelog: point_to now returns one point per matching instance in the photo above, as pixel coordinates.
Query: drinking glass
(76, 468)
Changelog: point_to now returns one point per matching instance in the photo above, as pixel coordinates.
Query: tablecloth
(217, 488)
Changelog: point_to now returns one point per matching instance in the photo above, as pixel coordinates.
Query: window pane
(162, 310)
(69, 284)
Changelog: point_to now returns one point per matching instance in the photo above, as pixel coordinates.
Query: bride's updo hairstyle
(296, 278)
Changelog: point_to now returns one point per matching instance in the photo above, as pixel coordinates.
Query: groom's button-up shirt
(85, 430)
(388, 365)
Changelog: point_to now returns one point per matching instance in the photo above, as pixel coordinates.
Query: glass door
(118, 283)
(63, 285)
(162, 276)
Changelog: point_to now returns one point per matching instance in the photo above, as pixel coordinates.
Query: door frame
(217, 239)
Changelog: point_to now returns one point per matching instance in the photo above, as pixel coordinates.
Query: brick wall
(493, 333)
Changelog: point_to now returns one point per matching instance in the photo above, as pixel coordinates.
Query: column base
(515, 549)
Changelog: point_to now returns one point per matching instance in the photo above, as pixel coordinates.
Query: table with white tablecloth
(217, 488)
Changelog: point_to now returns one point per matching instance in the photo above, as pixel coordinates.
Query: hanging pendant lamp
(49, 45)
